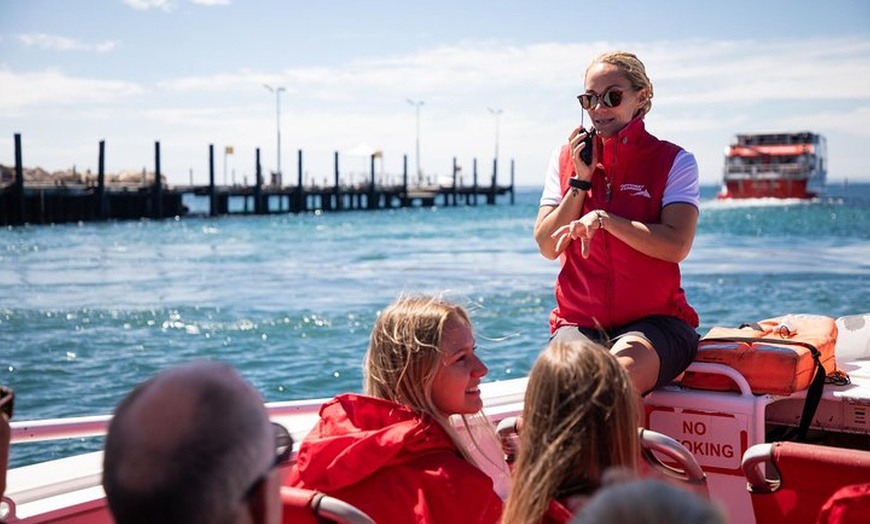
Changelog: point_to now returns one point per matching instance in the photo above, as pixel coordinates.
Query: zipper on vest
(607, 192)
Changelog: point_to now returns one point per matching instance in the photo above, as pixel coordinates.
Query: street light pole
(417, 104)
(497, 113)
(277, 91)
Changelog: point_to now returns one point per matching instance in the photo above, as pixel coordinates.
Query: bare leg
(640, 359)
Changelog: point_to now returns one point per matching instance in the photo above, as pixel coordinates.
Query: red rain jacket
(392, 463)
(557, 513)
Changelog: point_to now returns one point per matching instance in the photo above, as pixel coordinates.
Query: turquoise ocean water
(87, 311)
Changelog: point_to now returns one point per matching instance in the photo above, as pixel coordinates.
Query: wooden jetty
(48, 203)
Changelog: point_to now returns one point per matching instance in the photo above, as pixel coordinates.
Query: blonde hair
(580, 418)
(405, 351)
(634, 71)
(403, 357)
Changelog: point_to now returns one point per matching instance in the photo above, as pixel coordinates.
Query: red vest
(618, 284)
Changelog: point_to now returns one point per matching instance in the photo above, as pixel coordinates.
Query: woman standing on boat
(413, 448)
(621, 224)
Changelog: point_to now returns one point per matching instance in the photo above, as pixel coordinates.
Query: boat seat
(305, 506)
(791, 481)
(848, 504)
(653, 443)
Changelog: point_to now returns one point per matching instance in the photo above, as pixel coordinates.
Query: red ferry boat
(775, 165)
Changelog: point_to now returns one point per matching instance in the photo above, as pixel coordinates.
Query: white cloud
(50, 88)
(145, 5)
(61, 43)
(217, 83)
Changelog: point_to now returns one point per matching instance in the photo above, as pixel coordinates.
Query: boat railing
(502, 400)
(767, 170)
(59, 428)
(97, 426)
(802, 137)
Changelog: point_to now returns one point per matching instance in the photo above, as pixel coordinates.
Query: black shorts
(674, 341)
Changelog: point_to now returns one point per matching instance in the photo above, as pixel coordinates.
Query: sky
(491, 76)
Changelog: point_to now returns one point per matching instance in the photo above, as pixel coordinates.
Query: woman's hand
(583, 228)
(578, 143)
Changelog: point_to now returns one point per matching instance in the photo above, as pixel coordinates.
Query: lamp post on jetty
(497, 113)
(417, 104)
(277, 91)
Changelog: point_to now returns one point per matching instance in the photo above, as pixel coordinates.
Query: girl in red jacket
(395, 453)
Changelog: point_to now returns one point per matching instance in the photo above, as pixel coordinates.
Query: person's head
(580, 418)
(192, 444)
(649, 501)
(617, 91)
(422, 355)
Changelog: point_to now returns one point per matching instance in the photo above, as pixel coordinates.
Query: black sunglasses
(283, 452)
(283, 445)
(610, 98)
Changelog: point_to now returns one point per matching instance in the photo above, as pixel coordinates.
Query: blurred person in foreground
(649, 501)
(192, 445)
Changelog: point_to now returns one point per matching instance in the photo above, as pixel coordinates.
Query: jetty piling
(102, 209)
(158, 186)
(258, 188)
(212, 200)
(21, 214)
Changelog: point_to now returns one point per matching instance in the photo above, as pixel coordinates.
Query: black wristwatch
(582, 185)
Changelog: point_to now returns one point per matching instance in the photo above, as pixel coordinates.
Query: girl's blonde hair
(405, 351)
(580, 418)
(633, 70)
(403, 357)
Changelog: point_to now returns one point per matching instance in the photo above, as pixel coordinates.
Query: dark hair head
(184, 446)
